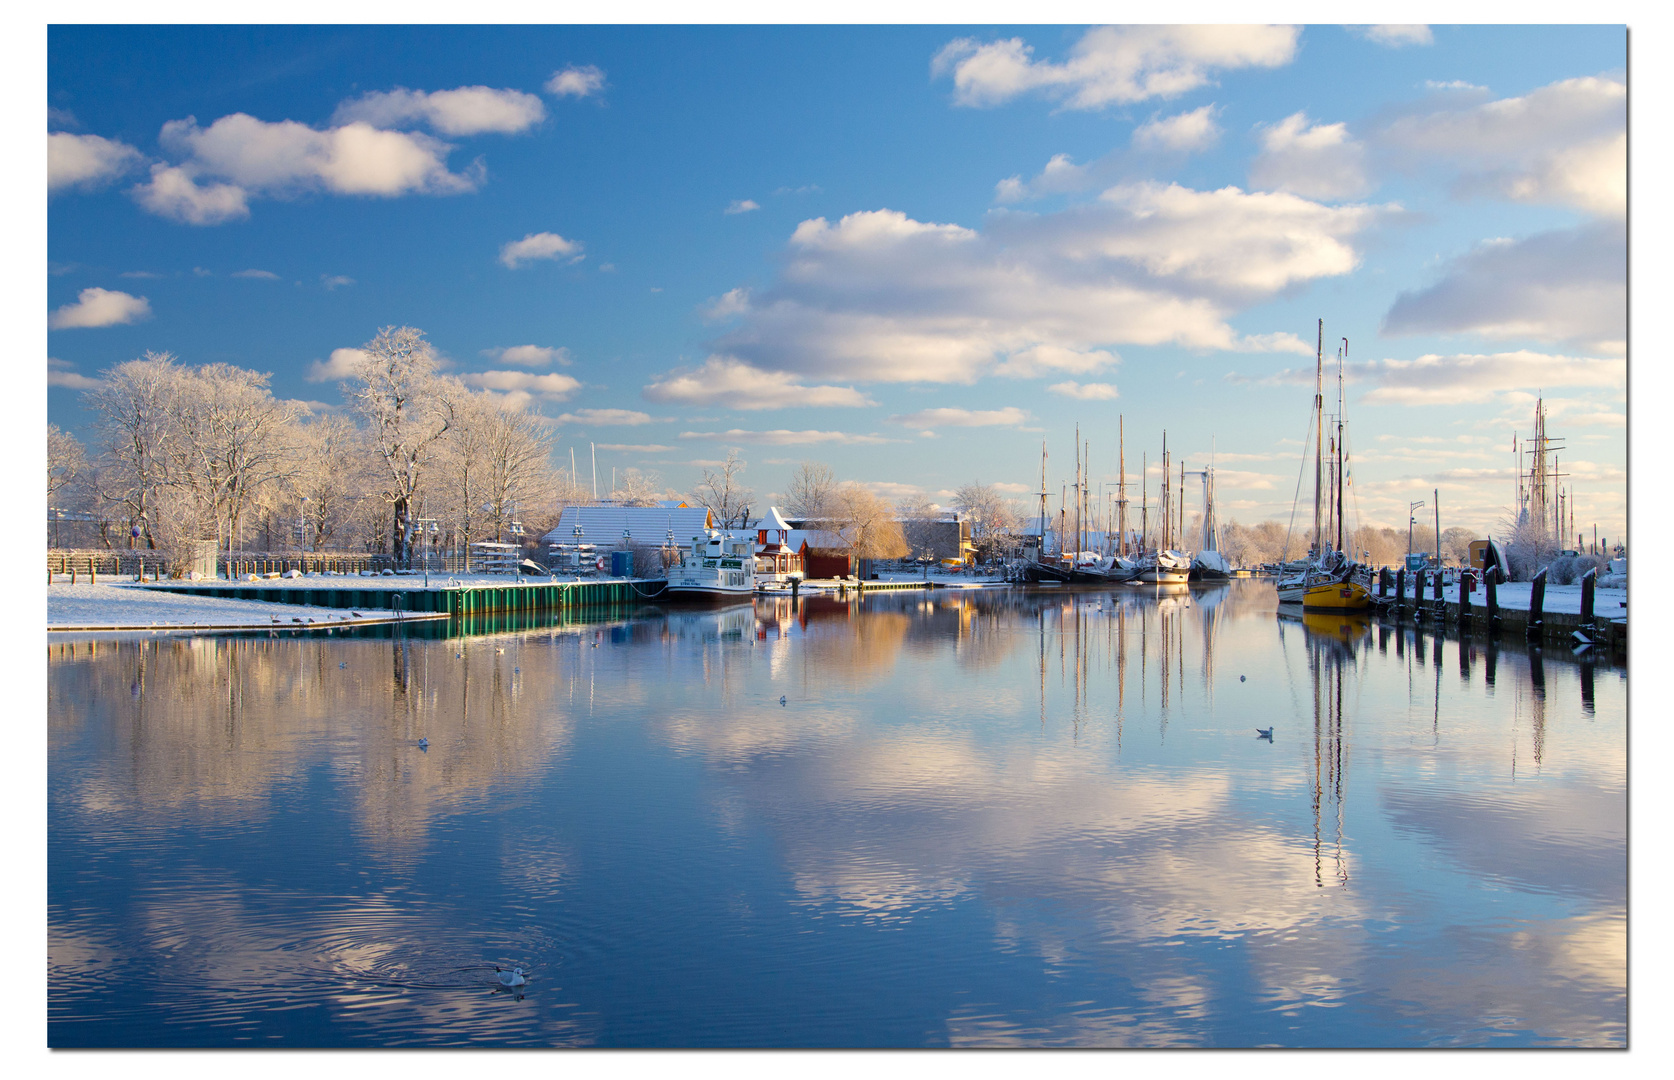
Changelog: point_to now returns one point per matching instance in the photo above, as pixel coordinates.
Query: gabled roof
(771, 520)
(603, 525)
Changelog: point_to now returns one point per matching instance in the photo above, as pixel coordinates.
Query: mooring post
(1400, 588)
(1383, 582)
(1467, 581)
(1587, 581)
(1490, 579)
(1537, 605)
(1418, 595)
(1436, 594)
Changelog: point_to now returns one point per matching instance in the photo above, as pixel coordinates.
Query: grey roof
(603, 525)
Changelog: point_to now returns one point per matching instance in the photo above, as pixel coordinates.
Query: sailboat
(1165, 566)
(1330, 580)
(1209, 564)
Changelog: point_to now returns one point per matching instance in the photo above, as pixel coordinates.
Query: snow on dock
(126, 605)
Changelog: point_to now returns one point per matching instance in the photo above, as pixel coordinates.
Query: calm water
(1016, 818)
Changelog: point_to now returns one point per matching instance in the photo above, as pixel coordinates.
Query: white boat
(719, 566)
(1165, 568)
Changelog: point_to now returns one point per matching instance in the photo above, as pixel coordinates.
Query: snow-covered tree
(725, 495)
(409, 407)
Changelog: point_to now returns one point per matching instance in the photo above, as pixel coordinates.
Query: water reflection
(1019, 817)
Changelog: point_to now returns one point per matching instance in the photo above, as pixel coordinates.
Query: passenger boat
(719, 566)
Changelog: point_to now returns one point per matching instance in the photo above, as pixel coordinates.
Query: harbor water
(1004, 817)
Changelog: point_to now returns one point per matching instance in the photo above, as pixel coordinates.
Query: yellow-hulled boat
(1337, 596)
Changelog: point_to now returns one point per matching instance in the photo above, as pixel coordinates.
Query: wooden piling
(1400, 588)
(1466, 583)
(1490, 580)
(1537, 605)
(1587, 581)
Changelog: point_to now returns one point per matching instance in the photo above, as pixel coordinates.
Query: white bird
(514, 977)
(344, 664)
(424, 744)
(1266, 733)
(781, 699)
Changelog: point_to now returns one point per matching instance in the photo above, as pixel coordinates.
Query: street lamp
(1411, 521)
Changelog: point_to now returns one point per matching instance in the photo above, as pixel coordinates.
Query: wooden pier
(1479, 615)
(454, 600)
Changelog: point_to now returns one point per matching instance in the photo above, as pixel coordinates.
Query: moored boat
(719, 566)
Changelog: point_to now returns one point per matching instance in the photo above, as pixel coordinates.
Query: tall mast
(1162, 501)
(1341, 479)
(1181, 535)
(1042, 552)
(1319, 430)
(1122, 496)
(1144, 506)
(1078, 491)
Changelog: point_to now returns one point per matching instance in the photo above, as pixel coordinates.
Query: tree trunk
(398, 537)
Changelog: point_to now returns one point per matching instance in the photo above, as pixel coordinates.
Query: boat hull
(707, 594)
(1337, 596)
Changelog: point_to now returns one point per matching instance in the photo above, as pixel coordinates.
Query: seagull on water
(1241, 678)
(512, 978)
(781, 699)
(344, 664)
(1264, 733)
(424, 744)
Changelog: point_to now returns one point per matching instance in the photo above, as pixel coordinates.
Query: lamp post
(1411, 521)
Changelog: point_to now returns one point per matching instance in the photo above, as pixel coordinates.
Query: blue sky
(911, 252)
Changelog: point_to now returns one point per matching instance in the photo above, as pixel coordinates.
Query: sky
(914, 253)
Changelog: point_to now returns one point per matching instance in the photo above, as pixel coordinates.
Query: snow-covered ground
(127, 605)
(1514, 595)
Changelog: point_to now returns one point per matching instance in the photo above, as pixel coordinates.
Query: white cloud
(1435, 379)
(742, 206)
(100, 307)
(342, 364)
(635, 448)
(332, 282)
(784, 437)
(732, 302)
(726, 381)
(541, 245)
(606, 417)
(1564, 143)
(576, 81)
(1111, 64)
(530, 355)
(468, 110)
(1011, 189)
(1085, 391)
(1568, 286)
(1282, 341)
(353, 159)
(1320, 161)
(1188, 131)
(1396, 35)
(265, 275)
(553, 387)
(174, 193)
(86, 161)
(63, 373)
(1044, 359)
(880, 296)
(1010, 416)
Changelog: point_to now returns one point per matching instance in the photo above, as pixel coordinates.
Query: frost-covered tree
(636, 488)
(724, 494)
(812, 485)
(131, 410)
(866, 524)
(409, 407)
